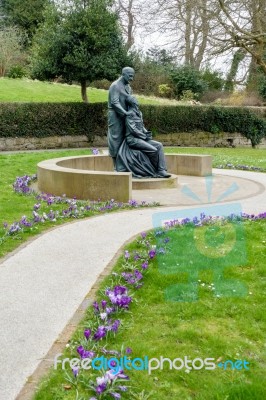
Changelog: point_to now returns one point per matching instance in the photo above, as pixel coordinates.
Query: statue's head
(128, 74)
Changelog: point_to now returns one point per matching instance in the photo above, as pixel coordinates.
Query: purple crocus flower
(115, 395)
(75, 371)
(145, 265)
(122, 388)
(85, 353)
(133, 203)
(128, 350)
(88, 354)
(138, 275)
(136, 257)
(87, 333)
(113, 352)
(95, 151)
(115, 325)
(80, 350)
(14, 228)
(152, 253)
(161, 250)
(143, 235)
(103, 316)
(100, 333)
(127, 255)
(103, 303)
(124, 301)
(109, 310)
(120, 290)
(120, 374)
(128, 277)
(101, 388)
(95, 305)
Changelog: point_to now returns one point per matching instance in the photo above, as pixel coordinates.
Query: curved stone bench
(92, 176)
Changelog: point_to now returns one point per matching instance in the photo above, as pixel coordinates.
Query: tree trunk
(84, 96)
(188, 13)
(237, 58)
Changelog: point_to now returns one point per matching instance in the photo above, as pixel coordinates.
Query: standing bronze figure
(118, 110)
(130, 144)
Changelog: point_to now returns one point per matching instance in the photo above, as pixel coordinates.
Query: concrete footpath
(43, 283)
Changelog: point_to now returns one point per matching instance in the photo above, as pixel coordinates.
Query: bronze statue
(130, 143)
(118, 109)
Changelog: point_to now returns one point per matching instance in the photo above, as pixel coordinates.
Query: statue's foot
(163, 174)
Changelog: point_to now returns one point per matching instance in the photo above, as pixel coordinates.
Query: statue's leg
(114, 162)
(161, 158)
(116, 132)
(149, 149)
(162, 167)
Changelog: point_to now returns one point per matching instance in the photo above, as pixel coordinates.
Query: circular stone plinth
(155, 183)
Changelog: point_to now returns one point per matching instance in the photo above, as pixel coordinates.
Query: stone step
(155, 183)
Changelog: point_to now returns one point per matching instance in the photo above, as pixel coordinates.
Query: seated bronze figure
(139, 153)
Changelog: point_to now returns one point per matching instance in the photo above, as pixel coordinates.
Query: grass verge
(221, 326)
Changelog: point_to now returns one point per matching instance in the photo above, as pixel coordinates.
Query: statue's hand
(149, 135)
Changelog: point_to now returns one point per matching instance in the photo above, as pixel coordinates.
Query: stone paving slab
(220, 183)
(44, 283)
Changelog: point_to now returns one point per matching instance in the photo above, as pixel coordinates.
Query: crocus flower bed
(241, 167)
(117, 303)
(103, 323)
(48, 208)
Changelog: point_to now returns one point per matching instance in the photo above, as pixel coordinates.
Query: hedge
(205, 118)
(51, 119)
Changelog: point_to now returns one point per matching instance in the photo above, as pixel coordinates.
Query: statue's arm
(133, 130)
(148, 133)
(115, 102)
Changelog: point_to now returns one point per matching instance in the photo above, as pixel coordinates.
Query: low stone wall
(92, 177)
(186, 139)
(51, 142)
(78, 177)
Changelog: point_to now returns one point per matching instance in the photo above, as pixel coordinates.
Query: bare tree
(244, 26)
(131, 15)
(186, 25)
(10, 48)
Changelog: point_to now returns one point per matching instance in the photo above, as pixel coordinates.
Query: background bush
(51, 119)
(187, 78)
(17, 72)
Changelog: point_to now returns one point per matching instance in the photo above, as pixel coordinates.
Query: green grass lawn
(224, 326)
(27, 90)
(223, 156)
